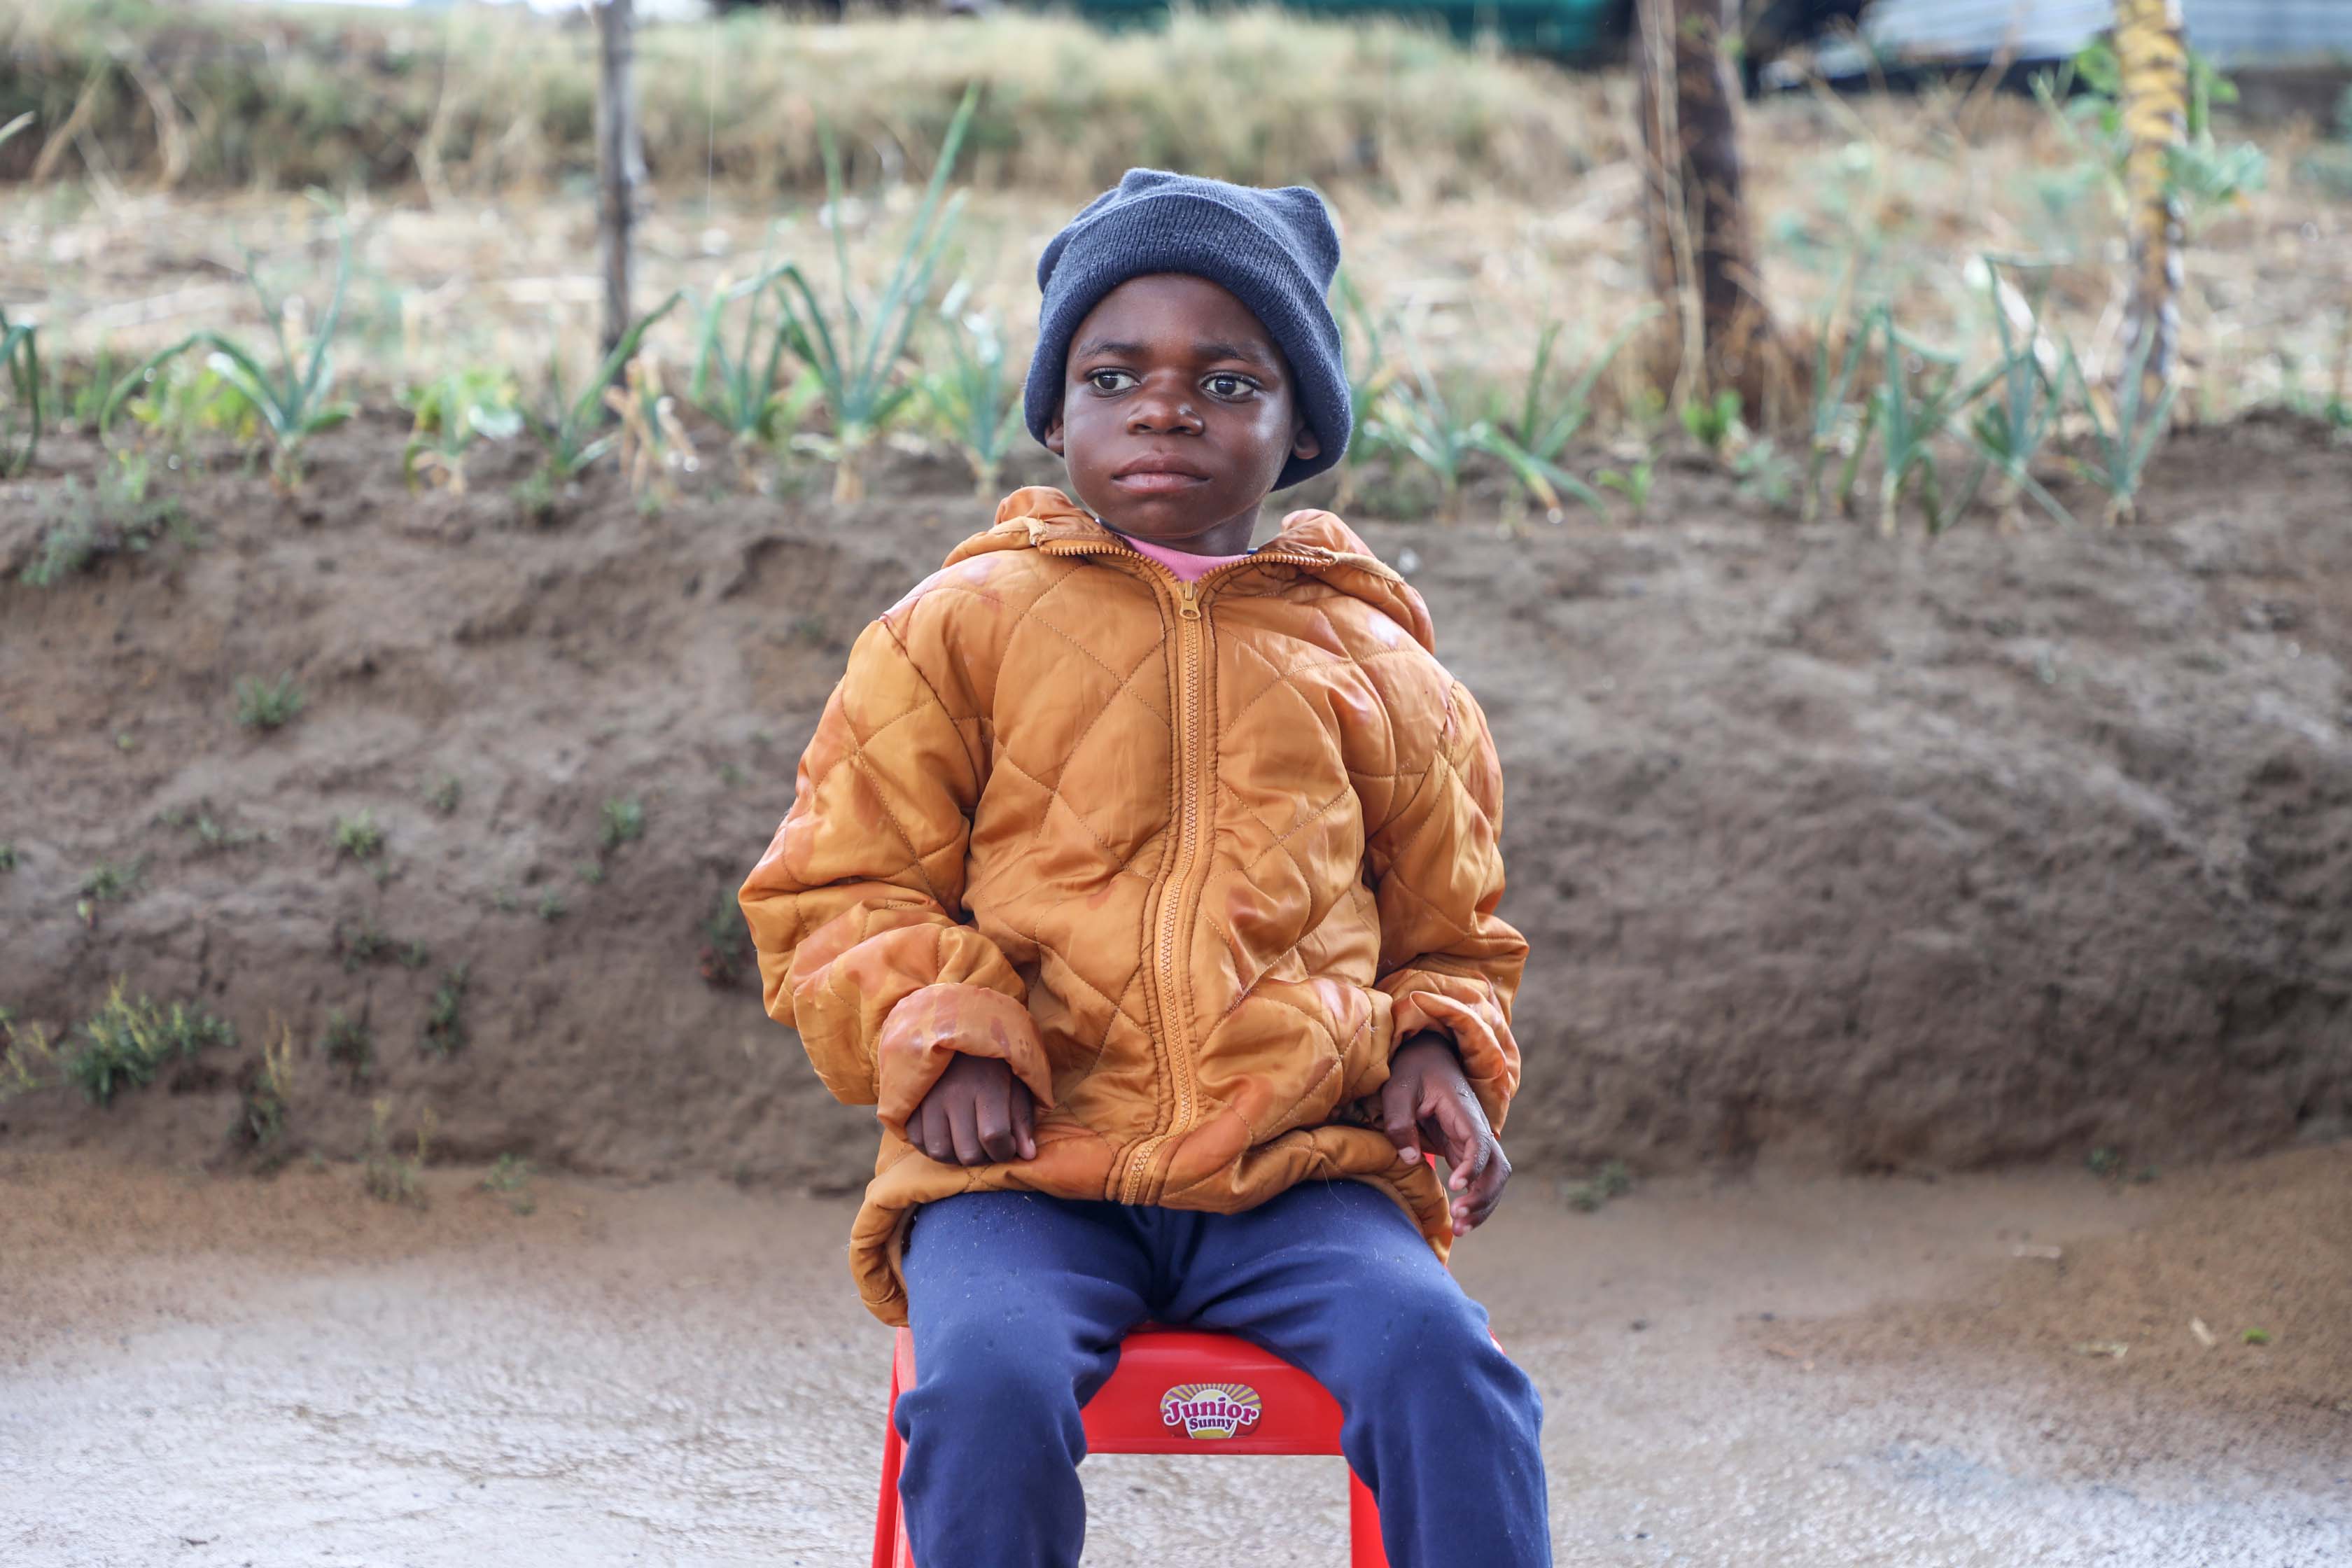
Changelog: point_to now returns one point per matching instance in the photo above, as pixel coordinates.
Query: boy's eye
(1230, 386)
(1109, 380)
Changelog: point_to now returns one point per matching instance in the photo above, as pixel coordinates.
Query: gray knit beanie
(1273, 250)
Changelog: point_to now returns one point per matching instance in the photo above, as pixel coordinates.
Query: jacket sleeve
(1436, 871)
(854, 907)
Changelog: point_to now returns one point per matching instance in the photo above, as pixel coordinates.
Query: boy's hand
(977, 1114)
(1427, 1104)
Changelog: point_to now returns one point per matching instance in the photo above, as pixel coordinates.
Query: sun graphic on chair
(1210, 1410)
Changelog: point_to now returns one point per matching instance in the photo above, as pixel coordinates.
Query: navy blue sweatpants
(1019, 1303)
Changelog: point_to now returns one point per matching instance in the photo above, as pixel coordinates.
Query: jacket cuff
(933, 1025)
(1465, 1012)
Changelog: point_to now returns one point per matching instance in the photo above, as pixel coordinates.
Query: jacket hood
(1313, 541)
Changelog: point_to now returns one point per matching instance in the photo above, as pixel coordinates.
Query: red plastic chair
(1176, 1392)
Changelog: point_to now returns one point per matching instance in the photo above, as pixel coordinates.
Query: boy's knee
(1433, 1343)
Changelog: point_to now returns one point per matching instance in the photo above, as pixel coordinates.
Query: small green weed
(266, 705)
(118, 518)
(357, 836)
(388, 1177)
(1611, 1180)
(349, 1044)
(1635, 481)
(622, 821)
(508, 1177)
(2105, 1162)
(127, 1041)
(445, 1019)
(7, 857)
(443, 798)
(1712, 422)
(265, 1097)
(721, 961)
(28, 1062)
(109, 883)
(2256, 1336)
(590, 871)
(552, 907)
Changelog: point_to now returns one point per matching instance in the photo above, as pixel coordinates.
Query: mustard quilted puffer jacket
(1189, 858)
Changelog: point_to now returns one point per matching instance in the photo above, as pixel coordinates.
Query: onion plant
(1546, 423)
(1416, 416)
(2010, 427)
(571, 427)
(740, 386)
(20, 352)
(975, 399)
(2124, 437)
(1369, 374)
(294, 403)
(856, 349)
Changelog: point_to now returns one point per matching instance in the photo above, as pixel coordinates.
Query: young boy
(1146, 884)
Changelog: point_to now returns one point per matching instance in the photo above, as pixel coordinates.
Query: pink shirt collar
(1187, 568)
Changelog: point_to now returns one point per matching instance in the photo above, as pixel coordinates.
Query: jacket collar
(1313, 542)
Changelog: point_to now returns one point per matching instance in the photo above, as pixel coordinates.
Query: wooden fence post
(620, 159)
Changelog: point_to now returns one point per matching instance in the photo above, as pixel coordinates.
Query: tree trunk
(620, 159)
(1702, 248)
(2154, 55)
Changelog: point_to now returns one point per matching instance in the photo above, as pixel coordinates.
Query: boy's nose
(1161, 413)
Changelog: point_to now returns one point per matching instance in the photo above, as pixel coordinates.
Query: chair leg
(1364, 1549)
(889, 1529)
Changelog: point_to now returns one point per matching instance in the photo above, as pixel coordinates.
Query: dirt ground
(1760, 1371)
(1854, 854)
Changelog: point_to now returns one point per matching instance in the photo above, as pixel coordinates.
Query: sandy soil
(196, 1370)
(1864, 854)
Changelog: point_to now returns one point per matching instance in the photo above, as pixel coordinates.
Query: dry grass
(477, 101)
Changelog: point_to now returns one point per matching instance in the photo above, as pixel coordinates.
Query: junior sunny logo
(1210, 1410)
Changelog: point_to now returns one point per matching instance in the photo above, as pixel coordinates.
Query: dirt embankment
(1870, 855)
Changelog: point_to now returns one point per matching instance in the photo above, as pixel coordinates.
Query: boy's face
(1178, 414)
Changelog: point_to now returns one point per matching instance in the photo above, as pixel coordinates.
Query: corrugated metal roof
(2228, 31)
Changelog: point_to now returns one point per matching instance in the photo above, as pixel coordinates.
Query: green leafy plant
(295, 402)
(856, 349)
(109, 883)
(126, 1042)
(451, 411)
(1837, 425)
(552, 907)
(7, 857)
(975, 399)
(1611, 1180)
(571, 428)
(2125, 430)
(444, 1018)
(1767, 474)
(266, 705)
(183, 400)
(445, 794)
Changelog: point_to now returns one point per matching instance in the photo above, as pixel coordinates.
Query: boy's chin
(1170, 520)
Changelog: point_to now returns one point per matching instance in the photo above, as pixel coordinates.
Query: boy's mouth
(1156, 475)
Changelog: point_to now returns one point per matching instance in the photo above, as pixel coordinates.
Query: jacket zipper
(1192, 636)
